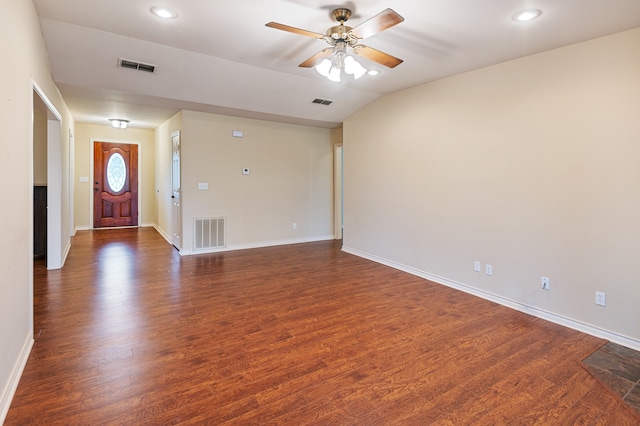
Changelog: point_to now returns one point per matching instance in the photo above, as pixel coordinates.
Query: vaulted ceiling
(218, 56)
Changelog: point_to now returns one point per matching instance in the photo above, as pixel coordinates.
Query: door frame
(338, 191)
(90, 190)
(55, 253)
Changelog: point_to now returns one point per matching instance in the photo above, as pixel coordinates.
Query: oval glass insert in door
(116, 172)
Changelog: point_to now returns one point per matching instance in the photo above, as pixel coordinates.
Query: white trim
(91, 176)
(87, 228)
(338, 189)
(258, 245)
(66, 251)
(55, 239)
(55, 258)
(161, 232)
(46, 100)
(620, 339)
(72, 156)
(10, 389)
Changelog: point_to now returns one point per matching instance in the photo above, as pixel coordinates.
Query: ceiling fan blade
(377, 56)
(315, 59)
(294, 30)
(383, 20)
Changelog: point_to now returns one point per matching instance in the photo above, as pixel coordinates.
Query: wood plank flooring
(130, 333)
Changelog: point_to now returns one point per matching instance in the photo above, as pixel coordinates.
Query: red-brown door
(115, 189)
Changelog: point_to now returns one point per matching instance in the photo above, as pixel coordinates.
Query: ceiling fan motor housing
(341, 15)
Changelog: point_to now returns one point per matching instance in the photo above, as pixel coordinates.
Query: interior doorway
(47, 172)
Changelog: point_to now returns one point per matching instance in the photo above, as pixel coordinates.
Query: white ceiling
(218, 56)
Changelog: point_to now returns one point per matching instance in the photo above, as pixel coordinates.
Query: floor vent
(133, 65)
(321, 101)
(209, 233)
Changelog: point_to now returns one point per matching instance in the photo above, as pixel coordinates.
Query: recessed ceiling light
(164, 12)
(527, 15)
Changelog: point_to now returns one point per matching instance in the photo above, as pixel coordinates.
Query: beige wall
(39, 142)
(290, 182)
(83, 196)
(531, 166)
(28, 63)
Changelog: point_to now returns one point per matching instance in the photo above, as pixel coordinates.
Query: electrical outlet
(601, 298)
(295, 225)
(544, 281)
(488, 269)
(476, 266)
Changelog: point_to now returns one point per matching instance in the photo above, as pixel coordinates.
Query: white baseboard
(89, 228)
(10, 389)
(66, 252)
(527, 309)
(259, 245)
(161, 232)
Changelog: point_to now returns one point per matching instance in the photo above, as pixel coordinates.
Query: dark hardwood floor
(128, 332)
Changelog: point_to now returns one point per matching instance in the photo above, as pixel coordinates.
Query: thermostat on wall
(246, 171)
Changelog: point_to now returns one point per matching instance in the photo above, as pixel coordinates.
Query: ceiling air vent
(133, 65)
(322, 101)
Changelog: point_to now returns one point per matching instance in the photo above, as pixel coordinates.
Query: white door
(338, 191)
(175, 194)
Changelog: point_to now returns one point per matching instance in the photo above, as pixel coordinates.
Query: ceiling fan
(330, 61)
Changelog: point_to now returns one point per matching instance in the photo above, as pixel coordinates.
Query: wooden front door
(115, 189)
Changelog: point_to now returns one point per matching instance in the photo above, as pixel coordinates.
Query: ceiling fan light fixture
(334, 74)
(527, 15)
(353, 67)
(324, 67)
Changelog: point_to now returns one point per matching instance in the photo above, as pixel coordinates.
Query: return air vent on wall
(209, 232)
(322, 101)
(134, 65)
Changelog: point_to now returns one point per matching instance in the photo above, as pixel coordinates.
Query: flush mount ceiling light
(164, 12)
(119, 123)
(526, 15)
